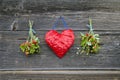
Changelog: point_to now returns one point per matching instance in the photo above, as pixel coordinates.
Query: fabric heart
(60, 43)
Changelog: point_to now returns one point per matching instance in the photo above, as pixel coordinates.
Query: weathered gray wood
(14, 65)
(75, 20)
(13, 6)
(13, 59)
(60, 75)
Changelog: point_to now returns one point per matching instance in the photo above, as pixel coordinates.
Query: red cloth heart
(60, 42)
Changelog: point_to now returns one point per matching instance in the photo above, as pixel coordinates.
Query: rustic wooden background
(14, 16)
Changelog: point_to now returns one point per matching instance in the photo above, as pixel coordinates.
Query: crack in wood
(2, 50)
(14, 25)
(21, 38)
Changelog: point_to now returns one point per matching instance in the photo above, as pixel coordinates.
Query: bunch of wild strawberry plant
(31, 46)
(89, 41)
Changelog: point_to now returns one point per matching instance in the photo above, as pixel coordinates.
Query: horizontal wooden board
(28, 6)
(11, 58)
(14, 16)
(60, 75)
(75, 20)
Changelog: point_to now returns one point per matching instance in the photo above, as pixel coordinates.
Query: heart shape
(60, 43)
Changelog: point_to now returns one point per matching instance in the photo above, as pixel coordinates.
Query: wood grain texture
(14, 31)
(60, 75)
(12, 58)
(28, 6)
(75, 20)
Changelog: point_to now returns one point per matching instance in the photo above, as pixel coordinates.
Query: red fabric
(60, 42)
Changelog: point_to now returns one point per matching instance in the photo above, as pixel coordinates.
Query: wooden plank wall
(28, 6)
(106, 21)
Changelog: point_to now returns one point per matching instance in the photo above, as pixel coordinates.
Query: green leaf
(83, 42)
(89, 43)
(96, 35)
(81, 34)
(23, 48)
